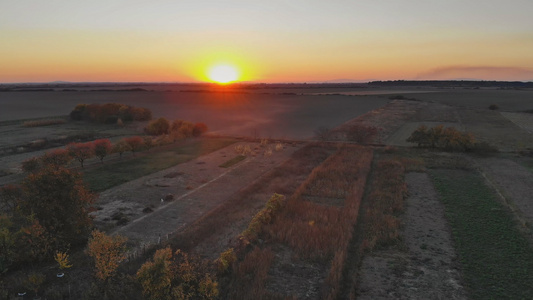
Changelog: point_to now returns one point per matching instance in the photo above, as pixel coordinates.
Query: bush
(31, 164)
(107, 252)
(158, 127)
(45, 122)
(52, 213)
(493, 107)
(199, 129)
(361, 134)
(121, 147)
(176, 276)
(134, 142)
(186, 129)
(440, 137)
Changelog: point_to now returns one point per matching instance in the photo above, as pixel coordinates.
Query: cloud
(478, 73)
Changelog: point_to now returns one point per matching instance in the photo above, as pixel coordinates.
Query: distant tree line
(110, 113)
(452, 83)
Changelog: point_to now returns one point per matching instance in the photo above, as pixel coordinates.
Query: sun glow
(223, 74)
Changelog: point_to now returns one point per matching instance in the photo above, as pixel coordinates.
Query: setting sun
(223, 74)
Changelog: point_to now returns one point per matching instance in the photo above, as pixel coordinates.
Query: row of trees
(62, 157)
(103, 147)
(178, 129)
(110, 113)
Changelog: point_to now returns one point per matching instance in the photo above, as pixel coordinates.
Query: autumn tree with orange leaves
(176, 276)
(107, 252)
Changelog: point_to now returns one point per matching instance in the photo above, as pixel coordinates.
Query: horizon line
(259, 82)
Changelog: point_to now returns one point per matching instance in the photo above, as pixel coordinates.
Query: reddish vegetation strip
(386, 200)
(314, 232)
(232, 217)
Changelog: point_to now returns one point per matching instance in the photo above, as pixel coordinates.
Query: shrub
(199, 129)
(226, 259)
(7, 244)
(120, 147)
(361, 134)
(156, 276)
(148, 142)
(45, 122)
(134, 142)
(421, 136)
(140, 113)
(158, 127)
(186, 129)
(9, 197)
(62, 260)
(447, 138)
(263, 217)
(176, 276)
(58, 200)
(163, 140)
(107, 252)
(31, 164)
(493, 107)
(176, 124)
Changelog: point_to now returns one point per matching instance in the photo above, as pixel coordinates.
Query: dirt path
(425, 270)
(513, 182)
(197, 186)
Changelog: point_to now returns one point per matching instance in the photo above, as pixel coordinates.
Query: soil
(426, 268)
(290, 275)
(197, 187)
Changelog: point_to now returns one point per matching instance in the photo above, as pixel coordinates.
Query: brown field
(356, 222)
(260, 115)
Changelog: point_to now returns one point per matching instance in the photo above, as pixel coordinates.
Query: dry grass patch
(385, 203)
(316, 233)
(44, 122)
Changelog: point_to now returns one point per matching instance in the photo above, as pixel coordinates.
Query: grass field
(496, 258)
(112, 174)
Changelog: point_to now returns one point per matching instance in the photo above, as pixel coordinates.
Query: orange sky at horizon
(323, 45)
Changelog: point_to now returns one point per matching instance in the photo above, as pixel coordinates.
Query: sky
(267, 41)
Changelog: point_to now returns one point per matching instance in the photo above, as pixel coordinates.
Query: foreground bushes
(48, 212)
(440, 137)
(176, 276)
